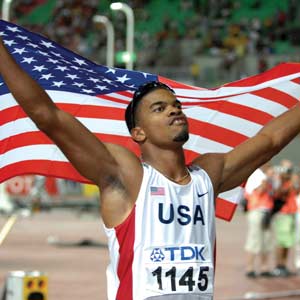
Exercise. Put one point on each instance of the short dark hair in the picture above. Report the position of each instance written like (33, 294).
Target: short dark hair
(141, 91)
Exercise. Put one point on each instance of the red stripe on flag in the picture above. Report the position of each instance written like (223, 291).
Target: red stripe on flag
(114, 99)
(82, 111)
(283, 69)
(11, 114)
(42, 167)
(39, 138)
(177, 85)
(225, 209)
(25, 139)
(276, 96)
(190, 156)
(238, 110)
(216, 133)
(296, 80)
(93, 111)
(128, 94)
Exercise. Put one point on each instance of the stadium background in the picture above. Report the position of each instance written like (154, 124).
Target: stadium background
(204, 43)
(241, 37)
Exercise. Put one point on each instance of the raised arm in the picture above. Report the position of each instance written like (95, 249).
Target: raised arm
(233, 168)
(96, 161)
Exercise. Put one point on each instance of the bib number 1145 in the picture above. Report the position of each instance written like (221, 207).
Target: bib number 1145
(187, 278)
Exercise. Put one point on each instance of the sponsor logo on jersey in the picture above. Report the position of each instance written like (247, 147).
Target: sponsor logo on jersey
(183, 253)
(157, 255)
(201, 195)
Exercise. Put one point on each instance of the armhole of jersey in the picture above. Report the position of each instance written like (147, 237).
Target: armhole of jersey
(144, 181)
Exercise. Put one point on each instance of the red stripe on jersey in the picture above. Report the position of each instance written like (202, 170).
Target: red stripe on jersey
(125, 233)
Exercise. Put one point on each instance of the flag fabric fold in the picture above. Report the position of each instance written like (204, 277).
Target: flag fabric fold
(97, 95)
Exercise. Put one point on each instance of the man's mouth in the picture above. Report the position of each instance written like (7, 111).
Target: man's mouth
(178, 121)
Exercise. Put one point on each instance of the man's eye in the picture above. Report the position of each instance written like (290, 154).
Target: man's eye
(158, 109)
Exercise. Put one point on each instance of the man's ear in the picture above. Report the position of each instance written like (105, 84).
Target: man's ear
(138, 134)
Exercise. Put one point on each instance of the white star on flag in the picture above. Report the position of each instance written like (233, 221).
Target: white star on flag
(80, 61)
(58, 83)
(39, 68)
(19, 51)
(46, 76)
(28, 60)
(123, 79)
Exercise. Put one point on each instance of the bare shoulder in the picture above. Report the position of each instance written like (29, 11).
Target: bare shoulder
(213, 164)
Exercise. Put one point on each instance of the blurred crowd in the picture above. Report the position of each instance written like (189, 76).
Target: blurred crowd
(203, 29)
(272, 203)
(23, 7)
(70, 24)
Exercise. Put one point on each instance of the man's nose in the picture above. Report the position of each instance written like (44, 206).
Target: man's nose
(174, 111)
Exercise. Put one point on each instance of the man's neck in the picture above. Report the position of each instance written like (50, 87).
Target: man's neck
(170, 163)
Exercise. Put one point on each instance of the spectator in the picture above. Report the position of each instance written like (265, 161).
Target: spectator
(296, 183)
(259, 240)
(284, 223)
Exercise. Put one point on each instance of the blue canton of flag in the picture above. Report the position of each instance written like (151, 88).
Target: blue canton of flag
(157, 191)
(57, 68)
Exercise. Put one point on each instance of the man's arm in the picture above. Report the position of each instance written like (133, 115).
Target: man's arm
(233, 168)
(90, 157)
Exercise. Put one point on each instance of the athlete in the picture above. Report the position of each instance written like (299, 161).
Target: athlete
(158, 213)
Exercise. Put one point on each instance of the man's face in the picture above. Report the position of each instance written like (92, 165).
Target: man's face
(161, 118)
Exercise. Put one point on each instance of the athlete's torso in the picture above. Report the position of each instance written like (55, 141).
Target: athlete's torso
(165, 248)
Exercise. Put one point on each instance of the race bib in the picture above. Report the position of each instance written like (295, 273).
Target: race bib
(179, 269)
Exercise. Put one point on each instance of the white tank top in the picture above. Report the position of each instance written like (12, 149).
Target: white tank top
(165, 248)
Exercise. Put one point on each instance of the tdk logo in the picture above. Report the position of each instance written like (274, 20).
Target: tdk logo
(157, 255)
(184, 253)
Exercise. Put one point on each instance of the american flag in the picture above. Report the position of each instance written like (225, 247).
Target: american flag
(97, 95)
(157, 191)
